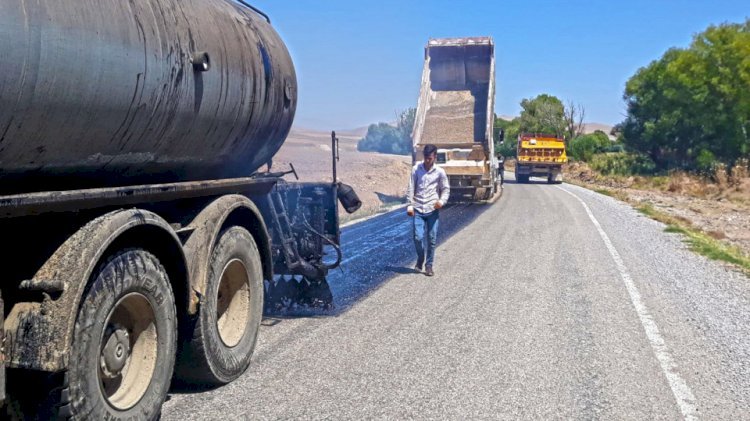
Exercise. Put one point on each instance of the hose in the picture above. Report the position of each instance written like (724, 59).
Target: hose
(335, 246)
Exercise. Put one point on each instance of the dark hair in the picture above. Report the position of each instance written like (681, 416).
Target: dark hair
(429, 149)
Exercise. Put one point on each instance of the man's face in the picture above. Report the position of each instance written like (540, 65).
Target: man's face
(429, 160)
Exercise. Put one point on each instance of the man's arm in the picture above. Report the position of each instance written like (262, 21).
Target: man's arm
(410, 190)
(410, 194)
(444, 188)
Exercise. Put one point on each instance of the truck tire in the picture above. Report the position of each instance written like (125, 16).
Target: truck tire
(489, 192)
(124, 342)
(555, 177)
(231, 309)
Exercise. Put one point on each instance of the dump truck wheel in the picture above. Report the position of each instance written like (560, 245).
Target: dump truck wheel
(124, 344)
(230, 312)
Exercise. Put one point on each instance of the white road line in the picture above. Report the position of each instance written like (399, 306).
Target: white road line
(680, 389)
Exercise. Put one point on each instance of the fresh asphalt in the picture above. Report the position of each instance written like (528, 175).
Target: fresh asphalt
(553, 303)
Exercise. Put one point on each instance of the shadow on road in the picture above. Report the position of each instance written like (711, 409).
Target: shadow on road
(511, 181)
(401, 270)
(378, 250)
(387, 199)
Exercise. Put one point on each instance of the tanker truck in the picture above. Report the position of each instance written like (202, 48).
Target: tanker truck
(141, 237)
(456, 114)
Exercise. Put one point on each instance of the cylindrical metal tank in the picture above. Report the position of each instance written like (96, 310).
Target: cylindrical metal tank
(98, 93)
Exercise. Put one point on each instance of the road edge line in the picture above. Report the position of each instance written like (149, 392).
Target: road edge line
(374, 215)
(680, 389)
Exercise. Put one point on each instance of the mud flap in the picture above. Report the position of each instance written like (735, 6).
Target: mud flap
(288, 294)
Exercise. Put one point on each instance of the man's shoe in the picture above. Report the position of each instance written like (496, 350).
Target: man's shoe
(429, 271)
(418, 266)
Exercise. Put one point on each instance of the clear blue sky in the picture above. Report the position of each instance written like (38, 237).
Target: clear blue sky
(358, 62)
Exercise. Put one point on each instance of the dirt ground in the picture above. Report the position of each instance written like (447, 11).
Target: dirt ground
(722, 211)
(380, 180)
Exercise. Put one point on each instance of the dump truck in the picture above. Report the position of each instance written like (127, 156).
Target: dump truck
(540, 155)
(456, 113)
(141, 238)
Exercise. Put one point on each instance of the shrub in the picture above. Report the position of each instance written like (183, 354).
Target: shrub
(705, 161)
(622, 163)
(584, 147)
(386, 138)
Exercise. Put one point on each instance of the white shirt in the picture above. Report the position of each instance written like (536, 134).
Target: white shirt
(427, 187)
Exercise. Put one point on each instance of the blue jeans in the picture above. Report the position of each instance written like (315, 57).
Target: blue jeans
(425, 224)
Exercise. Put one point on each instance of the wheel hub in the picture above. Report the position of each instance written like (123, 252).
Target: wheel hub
(233, 303)
(115, 353)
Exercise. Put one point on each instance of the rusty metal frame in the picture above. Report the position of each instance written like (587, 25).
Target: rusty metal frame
(76, 200)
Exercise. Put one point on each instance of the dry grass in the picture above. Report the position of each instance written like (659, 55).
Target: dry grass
(617, 194)
(728, 183)
(739, 174)
(707, 244)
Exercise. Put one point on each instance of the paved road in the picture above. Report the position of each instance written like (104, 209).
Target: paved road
(555, 302)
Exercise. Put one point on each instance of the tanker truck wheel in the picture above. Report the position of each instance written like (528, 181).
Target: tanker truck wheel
(230, 312)
(124, 344)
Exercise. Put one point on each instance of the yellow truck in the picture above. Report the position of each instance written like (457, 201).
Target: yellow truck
(540, 155)
(456, 112)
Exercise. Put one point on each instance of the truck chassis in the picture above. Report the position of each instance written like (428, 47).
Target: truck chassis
(107, 289)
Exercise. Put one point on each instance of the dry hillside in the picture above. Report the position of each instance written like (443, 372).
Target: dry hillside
(379, 179)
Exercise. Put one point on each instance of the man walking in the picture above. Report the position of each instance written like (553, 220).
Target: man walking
(428, 192)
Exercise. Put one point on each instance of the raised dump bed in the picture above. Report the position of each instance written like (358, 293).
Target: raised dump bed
(455, 111)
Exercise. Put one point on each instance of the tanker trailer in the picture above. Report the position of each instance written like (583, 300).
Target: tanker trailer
(138, 229)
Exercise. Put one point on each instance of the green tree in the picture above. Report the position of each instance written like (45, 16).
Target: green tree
(584, 147)
(543, 114)
(511, 128)
(692, 106)
(405, 125)
(386, 138)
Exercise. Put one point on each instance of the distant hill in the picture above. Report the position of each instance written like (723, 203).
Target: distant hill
(355, 132)
(359, 131)
(592, 127)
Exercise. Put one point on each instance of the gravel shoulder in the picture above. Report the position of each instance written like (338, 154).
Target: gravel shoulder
(721, 212)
